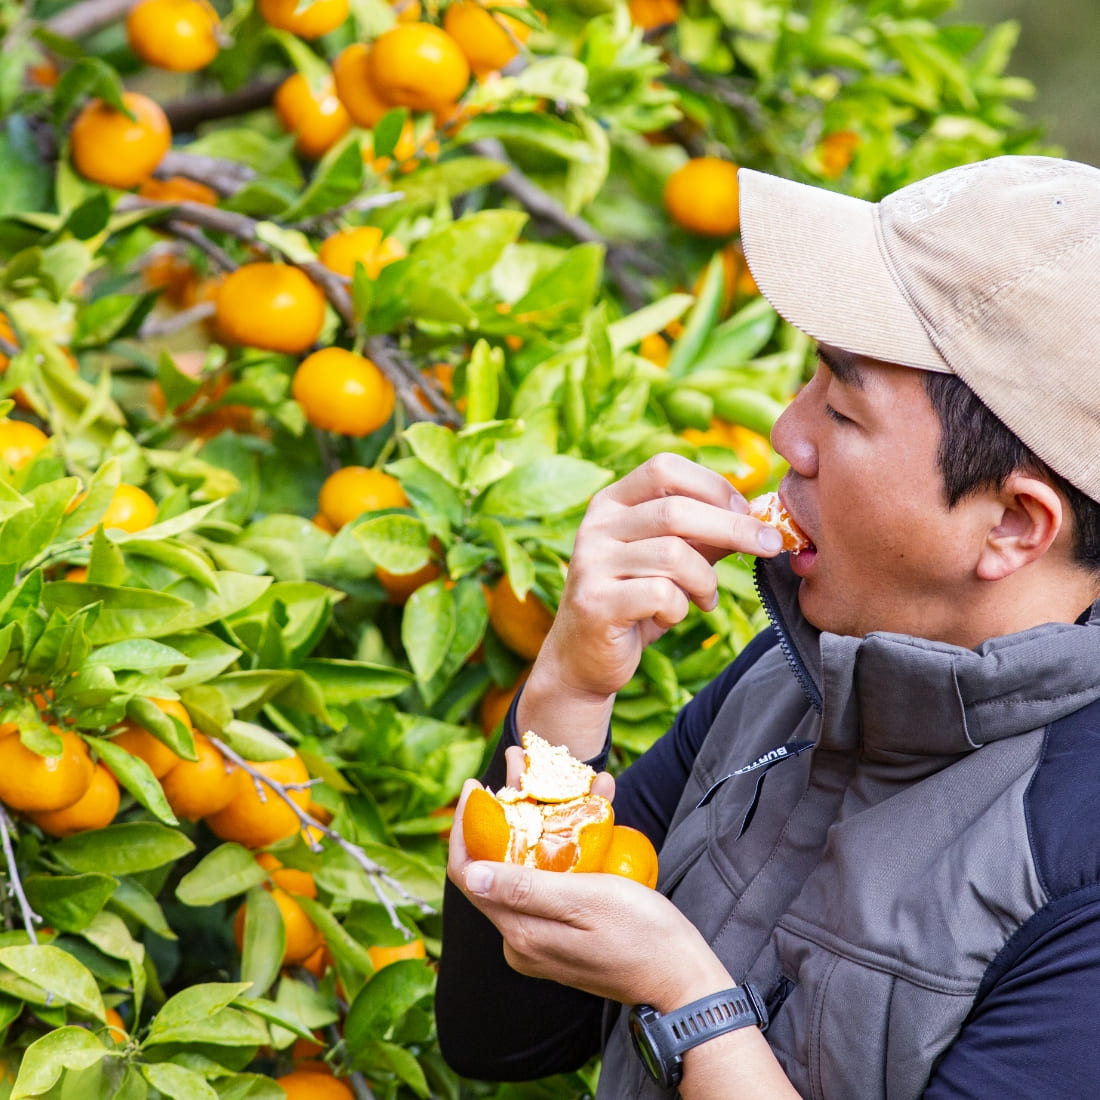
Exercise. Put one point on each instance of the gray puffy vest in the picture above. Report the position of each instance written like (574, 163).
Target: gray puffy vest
(864, 877)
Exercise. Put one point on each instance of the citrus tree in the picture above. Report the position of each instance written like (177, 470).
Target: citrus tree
(320, 323)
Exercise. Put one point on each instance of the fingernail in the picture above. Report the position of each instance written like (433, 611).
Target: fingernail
(478, 879)
(738, 503)
(770, 539)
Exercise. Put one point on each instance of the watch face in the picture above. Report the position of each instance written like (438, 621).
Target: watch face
(645, 1050)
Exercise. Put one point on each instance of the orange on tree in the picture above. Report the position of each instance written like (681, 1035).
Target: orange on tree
(131, 509)
(653, 14)
(342, 392)
(305, 1084)
(522, 625)
(20, 442)
(138, 741)
(496, 701)
(654, 347)
(407, 11)
(196, 788)
(39, 784)
(276, 307)
(116, 1026)
(289, 879)
(406, 151)
(94, 809)
(306, 21)
(751, 448)
(488, 39)
(110, 147)
(351, 73)
(351, 491)
(400, 586)
(178, 189)
(303, 937)
(419, 66)
(701, 196)
(552, 822)
(171, 274)
(632, 855)
(78, 574)
(836, 150)
(315, 116)
(257, 819)
(364, 244)
(382, 955)
(179, 35)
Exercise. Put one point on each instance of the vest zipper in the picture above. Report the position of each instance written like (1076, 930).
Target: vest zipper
(798, 667)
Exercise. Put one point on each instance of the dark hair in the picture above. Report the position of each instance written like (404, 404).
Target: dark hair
(977, 452)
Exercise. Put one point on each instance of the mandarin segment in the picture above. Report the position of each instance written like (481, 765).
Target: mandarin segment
(769, 509)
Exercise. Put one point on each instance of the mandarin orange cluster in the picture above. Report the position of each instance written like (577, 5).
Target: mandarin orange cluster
(554, 822)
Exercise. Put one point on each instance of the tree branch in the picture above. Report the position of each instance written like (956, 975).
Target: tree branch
(87, 17)
(185, 114)
(227, 177)
(15, 883)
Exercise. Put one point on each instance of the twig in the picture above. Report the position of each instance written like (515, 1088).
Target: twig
(357, 205)
(185, 114)
(719, 88)
(165, 326)
(15, 883)
(227, 177)
(377, 874)
(7, 348)
(89, 16)
(179, 228)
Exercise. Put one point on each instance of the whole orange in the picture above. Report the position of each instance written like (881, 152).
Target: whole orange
(400, 586)
(94, 809)
(496, 702)
(257, 820)
(382, 955)
(751, 448)
(632, 855)
(315, 116)
(20, 442)
(363, 244)
(522, 625)
(340, 391)
(131, 509)
(318, 19)
(196, 788)
(179, 35)
(138, 741)
(351, 491)
(37, 784)
(419, 66)
(111, 148)
(488, 39)
(701, 196)
(351, 72)
(271, 306)
(303, 1084)
(651, 14)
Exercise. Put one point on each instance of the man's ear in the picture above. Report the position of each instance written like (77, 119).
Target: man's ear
(1032, 515)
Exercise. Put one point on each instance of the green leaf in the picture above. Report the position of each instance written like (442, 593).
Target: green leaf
(124, 848)
(700, 320)
(546, 487)
(436, 447)
(255, 743)
(136, 776)
(398, 543)
(483, 375)
(201, 1013)
(428, 627)
(264, 940)
(47, 1058)
(138, 655)
(56, 972)
(343, 682)
(177, 1081)
(68, 902)
(123, 612)
(227, 871)
(377, 1011)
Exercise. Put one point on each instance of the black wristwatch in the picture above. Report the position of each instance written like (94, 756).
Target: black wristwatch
(661, 1040)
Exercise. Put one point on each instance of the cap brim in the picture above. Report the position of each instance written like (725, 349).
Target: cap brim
(816, 257)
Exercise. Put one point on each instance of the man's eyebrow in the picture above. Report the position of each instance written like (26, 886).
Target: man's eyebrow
(843, 366)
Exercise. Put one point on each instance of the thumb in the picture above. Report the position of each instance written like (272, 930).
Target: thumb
(523, 889)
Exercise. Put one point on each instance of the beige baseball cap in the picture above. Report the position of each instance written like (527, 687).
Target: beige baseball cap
(990, 271)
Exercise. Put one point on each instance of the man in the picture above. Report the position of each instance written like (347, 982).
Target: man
(881, 819)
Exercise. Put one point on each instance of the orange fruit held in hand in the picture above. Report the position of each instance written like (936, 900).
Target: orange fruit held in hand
(381, 955)
(138, 741)
(553, 822)
(315, 116)
(305, 1084)
(632, 855)
(276, 307)
(701, 196)
(751, 448)
(351, 72)
(353, 490)
(362, 244)
(522, 625)
(41, 784)
(131, 509)
(20, 442)
(318, 19)
(94, 809)
(257, 820)
(488, 39)
(342, 392)
(111, 148)
(196, 788)
(419, 66)
(179, 35)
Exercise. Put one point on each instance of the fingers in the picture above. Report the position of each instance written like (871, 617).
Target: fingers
(672, 475)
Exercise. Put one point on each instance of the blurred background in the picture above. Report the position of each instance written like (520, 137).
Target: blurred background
(1058, 47)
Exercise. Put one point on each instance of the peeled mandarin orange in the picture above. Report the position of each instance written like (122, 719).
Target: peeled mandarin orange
(553, 822)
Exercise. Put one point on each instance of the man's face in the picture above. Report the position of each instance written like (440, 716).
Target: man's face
(861, 440)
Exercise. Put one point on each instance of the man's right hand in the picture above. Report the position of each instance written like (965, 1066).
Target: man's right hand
(644, 553)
